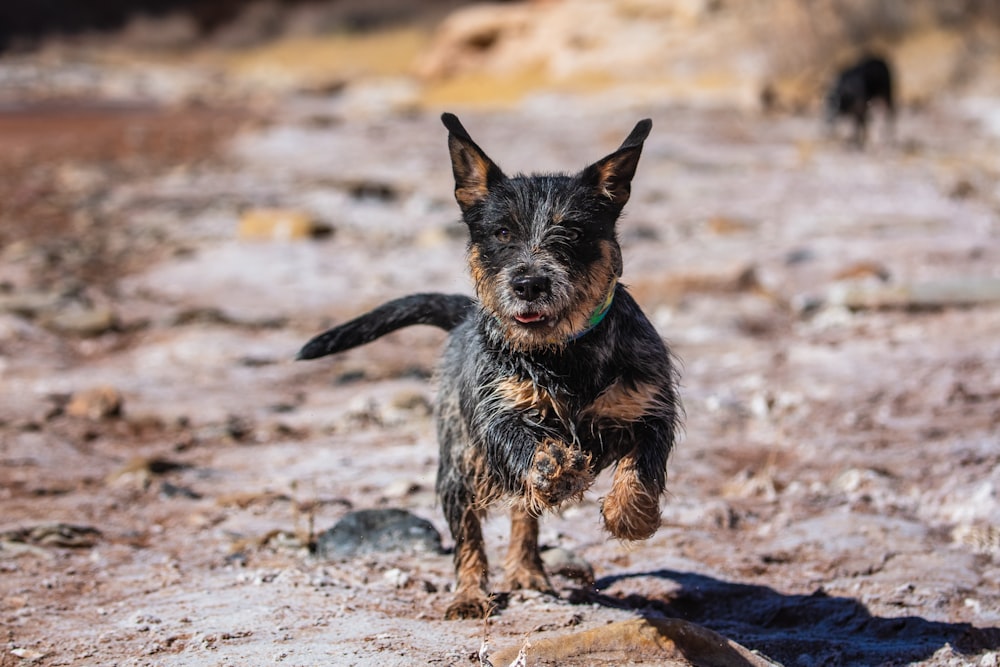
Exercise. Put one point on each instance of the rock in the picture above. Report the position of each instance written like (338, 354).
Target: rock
(61, 311)
(281, 225)
(467, 38)
(83, 320)
(400, 488)
(568, 564)
(139, 471)
(722, 225)
(28, 655)
(96, 403)
(415, 401)
(377, 531)
(955, 292)
(168, 490)
(29, 303)
(54, 535)
(669, 642)
(863, 270)
(538, 44)
(396, 577)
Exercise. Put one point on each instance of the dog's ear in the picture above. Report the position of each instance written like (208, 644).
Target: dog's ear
(612, 176)
(475, 173)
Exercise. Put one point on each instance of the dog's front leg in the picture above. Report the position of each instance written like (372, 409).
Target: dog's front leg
(530, 461)
(528, 453)
(631, 510)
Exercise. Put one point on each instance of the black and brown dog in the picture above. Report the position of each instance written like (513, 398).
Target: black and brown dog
(856, 88)
(551, 375)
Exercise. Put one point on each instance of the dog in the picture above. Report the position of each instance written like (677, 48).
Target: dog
(856, 88)
(551, 374)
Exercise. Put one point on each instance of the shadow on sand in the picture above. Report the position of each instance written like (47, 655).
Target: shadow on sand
(815, 629)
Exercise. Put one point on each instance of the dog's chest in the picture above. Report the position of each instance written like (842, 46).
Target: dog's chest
(618, 404)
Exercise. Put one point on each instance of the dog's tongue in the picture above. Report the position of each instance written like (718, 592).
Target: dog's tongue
(528, 318)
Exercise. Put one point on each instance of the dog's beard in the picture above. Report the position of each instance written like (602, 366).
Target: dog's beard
(550, 321)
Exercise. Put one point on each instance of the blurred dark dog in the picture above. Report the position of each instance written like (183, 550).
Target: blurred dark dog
(551, 375)
(854, 91)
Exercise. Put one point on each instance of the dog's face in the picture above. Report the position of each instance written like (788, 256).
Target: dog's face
(543, 250)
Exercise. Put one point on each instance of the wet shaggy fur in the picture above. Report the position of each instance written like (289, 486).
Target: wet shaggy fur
(550, 375)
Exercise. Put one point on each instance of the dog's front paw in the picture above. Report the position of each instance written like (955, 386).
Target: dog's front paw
(558, 472)
(631, 511)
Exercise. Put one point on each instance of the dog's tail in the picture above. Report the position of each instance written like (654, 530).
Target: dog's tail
(445, 311)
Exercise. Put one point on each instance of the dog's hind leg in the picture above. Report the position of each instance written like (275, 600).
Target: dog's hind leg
(523, 565)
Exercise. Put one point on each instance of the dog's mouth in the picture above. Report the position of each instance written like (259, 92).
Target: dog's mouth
(531, 318)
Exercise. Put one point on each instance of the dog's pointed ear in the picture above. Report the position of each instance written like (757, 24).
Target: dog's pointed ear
(475, 173)
(612, 176)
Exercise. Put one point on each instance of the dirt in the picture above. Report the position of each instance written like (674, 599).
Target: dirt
(835, 499)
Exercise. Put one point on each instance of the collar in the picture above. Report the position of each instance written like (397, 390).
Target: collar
(598, 315)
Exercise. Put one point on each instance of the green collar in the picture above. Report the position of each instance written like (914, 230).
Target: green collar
(598, 315)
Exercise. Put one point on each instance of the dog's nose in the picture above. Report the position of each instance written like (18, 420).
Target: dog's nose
(529, 288)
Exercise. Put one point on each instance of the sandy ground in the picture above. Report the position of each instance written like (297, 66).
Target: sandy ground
(835, 499)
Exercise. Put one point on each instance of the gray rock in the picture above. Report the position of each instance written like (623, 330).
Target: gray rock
(568, 564)
(377, 531)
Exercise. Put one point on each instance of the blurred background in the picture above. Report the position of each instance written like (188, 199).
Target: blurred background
(159, 84)
(189, 190)
(702, 50)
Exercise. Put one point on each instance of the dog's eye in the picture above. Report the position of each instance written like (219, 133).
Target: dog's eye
(571, 235)
(502, 234)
